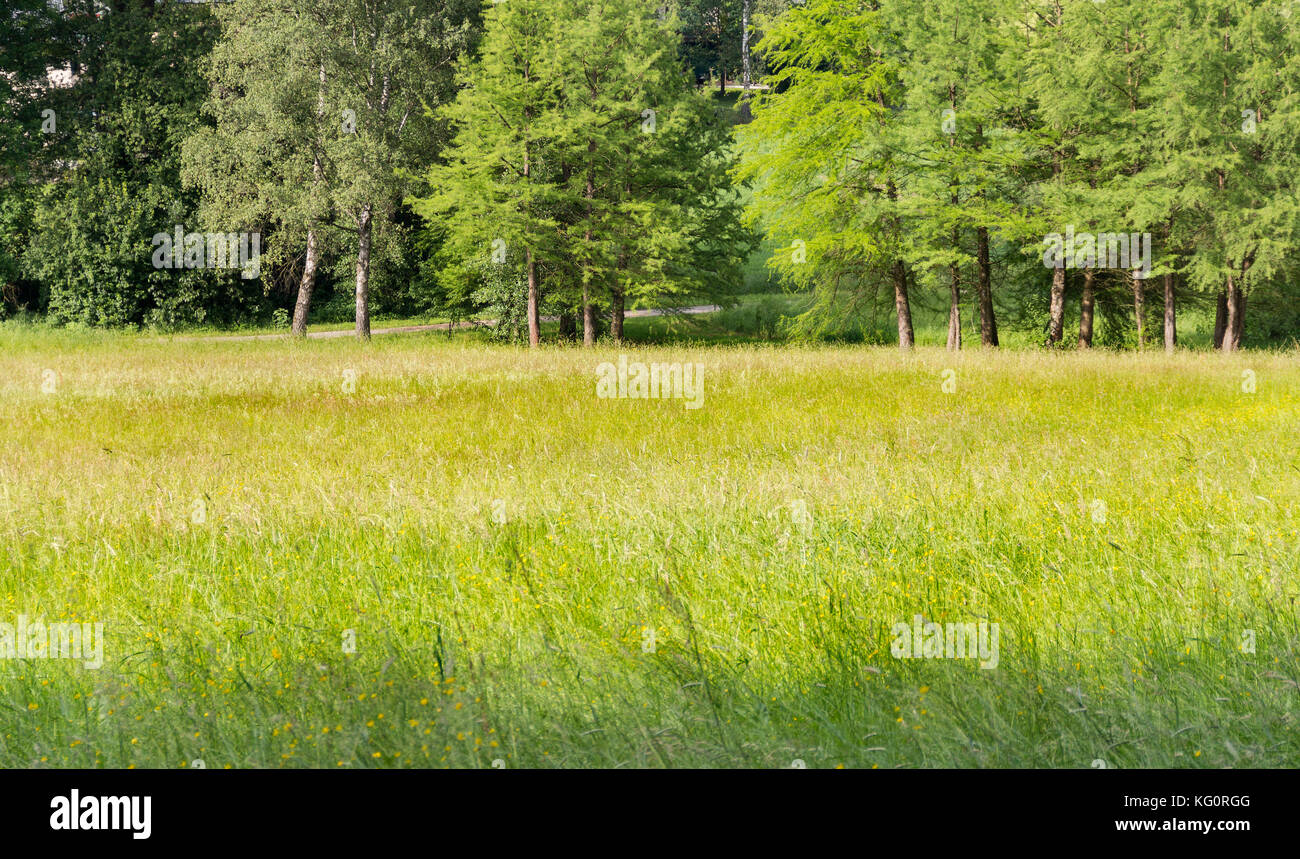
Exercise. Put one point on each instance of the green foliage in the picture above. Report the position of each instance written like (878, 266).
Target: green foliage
(33, 38)
(580, 143)
(824, 177)
(502, 295)
(904, 148)
(117, 168)
(319, 113)
(896, 131)
(252, 161)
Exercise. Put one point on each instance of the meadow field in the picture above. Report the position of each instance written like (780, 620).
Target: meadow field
(429, 551)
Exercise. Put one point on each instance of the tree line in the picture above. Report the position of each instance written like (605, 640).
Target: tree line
(1032, 164)
(909, 144)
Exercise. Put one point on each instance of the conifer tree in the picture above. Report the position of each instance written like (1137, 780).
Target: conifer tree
(821, 153)
(580, 142)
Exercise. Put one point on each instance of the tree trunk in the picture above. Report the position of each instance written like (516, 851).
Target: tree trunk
(744, 45)
(1056, 310)
(1171, 321)
(616, 316)
(305, 286)
(363, 273)
(904, 310)
(534, 316)
(1239, 323)
(568, 327)
(743, 108)
(954, 269)
(588, 309)
(1086, 309)
(1220, 318)
(954, 308)
(588, 319)
(534, 313)
(1139, 311)
(1232, 325)
(1056, 321)
(984, 284)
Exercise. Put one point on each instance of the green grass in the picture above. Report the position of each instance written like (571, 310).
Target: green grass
(525, 641)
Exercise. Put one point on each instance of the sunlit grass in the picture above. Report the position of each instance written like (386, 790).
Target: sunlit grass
(527, 642)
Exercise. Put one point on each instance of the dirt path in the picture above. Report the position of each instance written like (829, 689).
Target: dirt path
(437, 326)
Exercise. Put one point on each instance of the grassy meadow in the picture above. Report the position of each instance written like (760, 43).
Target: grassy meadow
(430, 551)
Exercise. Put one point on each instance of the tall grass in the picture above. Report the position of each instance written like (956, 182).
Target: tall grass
(654, 596)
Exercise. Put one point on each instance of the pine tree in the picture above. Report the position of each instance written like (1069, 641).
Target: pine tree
(1226, 138)
(964, 147)
(497, 186)
(580, 141)
(821, 153)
